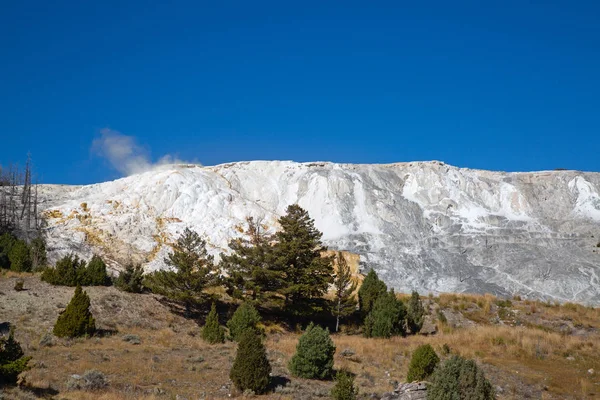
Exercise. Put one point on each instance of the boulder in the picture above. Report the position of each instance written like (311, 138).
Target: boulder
(408, 391)
(429, 327)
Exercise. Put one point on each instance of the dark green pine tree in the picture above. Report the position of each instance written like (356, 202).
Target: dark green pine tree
(344, 303)
(415, 313)
(192, 271)
(212, 332)
(248, 275)
(251, 368)
(371, 288)
(302, 275)
(95, 273)
(7, 240)
(67, 271)
(344, 388)
(131, 279)
(244, 318)
(387, 317)
(12, 359)
(76, 320)
(20, 259)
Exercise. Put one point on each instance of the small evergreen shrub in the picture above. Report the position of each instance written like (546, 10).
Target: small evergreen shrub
(245, 317)
(6, 242)
(458, 378)
(94, 274)
(344, 388)
(251, 368)
(314, 354)
(70, 270)
(212, 331)
(66, 272)
(19, 257)
(415, 313)
(386, 319)
(422, 364)
(131, 279)
(12, 360)
(76, 320)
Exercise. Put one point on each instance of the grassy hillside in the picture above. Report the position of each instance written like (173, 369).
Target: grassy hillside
(528, 349)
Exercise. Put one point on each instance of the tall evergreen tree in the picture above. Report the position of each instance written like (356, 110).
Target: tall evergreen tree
(192, 271)
(386, 318)
(248, 274)
(344, 285)
(415, 313)
(299, 271)
(371, 288)
(77, 319)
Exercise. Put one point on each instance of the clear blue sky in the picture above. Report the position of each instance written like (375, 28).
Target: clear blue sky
(497, 85)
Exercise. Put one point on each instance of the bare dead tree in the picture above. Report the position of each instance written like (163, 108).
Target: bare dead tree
(19, 201)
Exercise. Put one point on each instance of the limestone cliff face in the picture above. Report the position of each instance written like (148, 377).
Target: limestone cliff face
(426, 226)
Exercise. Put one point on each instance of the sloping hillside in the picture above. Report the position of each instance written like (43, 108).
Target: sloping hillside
(425, 225)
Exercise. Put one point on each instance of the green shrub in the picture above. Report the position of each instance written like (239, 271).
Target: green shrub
(422, 364)
(94, 274)
(245, 317)
(131, 279)
(19, 257)
(6, 242)
(460, 379)
(251, 368)
(387, 317)
(504, 303)
(67, 271)
(344, 388)
(70, 270)
(212, 331)
(371, 288)
(12, 360)
(314, 354)
(76, 320)
(415, 313)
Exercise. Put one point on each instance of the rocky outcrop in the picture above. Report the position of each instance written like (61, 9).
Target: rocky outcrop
(408, 391)
(423, 226)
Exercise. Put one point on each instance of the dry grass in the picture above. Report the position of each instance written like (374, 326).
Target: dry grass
(536, 359)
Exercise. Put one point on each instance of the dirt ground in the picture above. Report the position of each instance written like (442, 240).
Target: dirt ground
(527, 349)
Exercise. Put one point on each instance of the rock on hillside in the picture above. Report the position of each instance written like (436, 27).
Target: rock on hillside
(423, 225)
